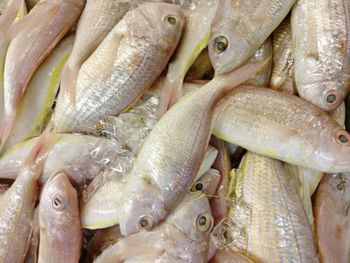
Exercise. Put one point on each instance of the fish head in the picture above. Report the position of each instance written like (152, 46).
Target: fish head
(142, 207)
(160, 22)
(208, 182)
(193, 216)
(58, 207)
(325, 95)
(331, 148)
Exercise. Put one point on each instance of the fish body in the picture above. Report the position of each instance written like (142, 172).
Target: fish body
(40, 32)
(331, 210)
(182, 237)
(59, 221)
(125, 64)
(284, 127)
(35, 107)
(283, 59)
(17, 207)
(165, 168)
(240, 28)
(268, 215)
(96, 21)
(321, 42)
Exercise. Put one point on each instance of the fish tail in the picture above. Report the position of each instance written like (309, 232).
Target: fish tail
(68, 83)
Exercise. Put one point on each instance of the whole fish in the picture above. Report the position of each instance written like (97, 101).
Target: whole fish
(182, 237)
(40, 31)
(126, 63)
(96, 21)
(59, 221)
(331, 209)
(17, 206)
(35, 108)
(321, 42)
(194, 40)
(165, 168)
(240, 28)
(283, 59)
(284, 127)
(82, 157)
(267, 214)
(102, 207)
(264, 53)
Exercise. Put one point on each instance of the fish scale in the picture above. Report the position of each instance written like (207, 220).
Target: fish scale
(322, 50)
(278, 230)
(282, 126)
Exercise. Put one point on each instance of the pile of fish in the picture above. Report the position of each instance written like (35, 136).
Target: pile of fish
(174, 131)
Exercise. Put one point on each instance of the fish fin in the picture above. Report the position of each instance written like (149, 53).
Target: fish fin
(68, 83)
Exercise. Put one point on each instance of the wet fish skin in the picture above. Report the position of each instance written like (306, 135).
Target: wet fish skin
(274, 220)
(30, 47)
(283, 59)
(240, 28)
(96, 21)
(180, 238)
(165, 169)
(226, 256)
(322, 51)
(17, 206)
(284, 127)
(32, 254)
(126, 63)
(331, 210)
(59, 221)
(263, 53)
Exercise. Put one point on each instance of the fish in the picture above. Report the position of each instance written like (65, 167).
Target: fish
(32, 254)
(201, 68)
(227, 256)
(284, 127)
(266, 221)
(195, 38)
(17, 205)
(35, 108)
(59, 221)
(331, 210)
(82, 157)
(282, 76)
(40, 31)
(165, 169)
(101, 208)
(208, 182)
(240, 28)
(125, 64)
(182, 237)
(263, 53)
(96, 21)
(322, 51)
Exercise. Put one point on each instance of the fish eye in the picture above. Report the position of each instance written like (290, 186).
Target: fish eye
(332, 98)
(145, 222)
(342, 137)
(171, 20)
(204, 222)
(198, 186)
(58, 202)
(220, 44)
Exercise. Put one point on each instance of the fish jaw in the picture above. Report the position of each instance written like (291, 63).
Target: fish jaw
(145, 204)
